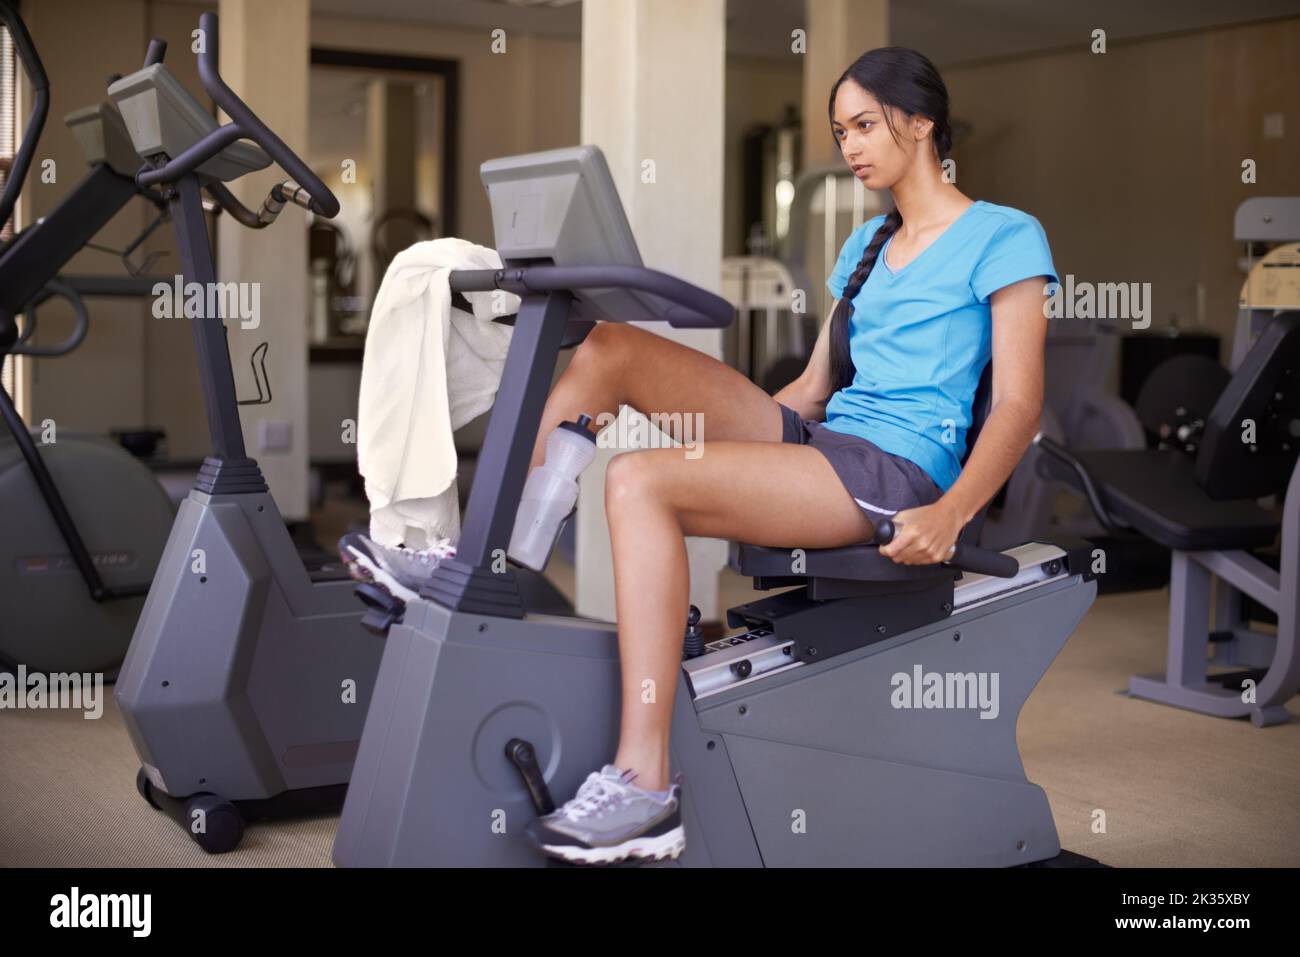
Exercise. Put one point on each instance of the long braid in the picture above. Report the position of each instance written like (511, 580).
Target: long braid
(842, 370)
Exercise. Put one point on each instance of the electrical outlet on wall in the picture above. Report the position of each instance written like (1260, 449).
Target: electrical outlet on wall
(275, 435)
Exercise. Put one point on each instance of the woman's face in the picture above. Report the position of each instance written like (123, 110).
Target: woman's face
(867, 145)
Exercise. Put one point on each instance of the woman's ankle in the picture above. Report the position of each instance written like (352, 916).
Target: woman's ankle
(650, 775)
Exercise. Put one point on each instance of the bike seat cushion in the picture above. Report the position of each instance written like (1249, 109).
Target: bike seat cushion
(851, 562)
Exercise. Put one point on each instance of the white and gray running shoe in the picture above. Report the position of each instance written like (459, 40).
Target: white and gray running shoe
(611, 820)
(400, 571)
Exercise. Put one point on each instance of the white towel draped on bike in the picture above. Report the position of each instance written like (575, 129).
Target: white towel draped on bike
(429, 368)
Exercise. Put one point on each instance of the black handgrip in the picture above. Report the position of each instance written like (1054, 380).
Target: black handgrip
(968, 558)
(523, 756)
(40, 84)
(324, 201)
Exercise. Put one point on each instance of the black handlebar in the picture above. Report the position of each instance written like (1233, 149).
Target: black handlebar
(55, 287)
(244, 125)
(35, 71)
(192, 157)
(693, 307)
(1064, 456)
(323, 201)
(970, 558)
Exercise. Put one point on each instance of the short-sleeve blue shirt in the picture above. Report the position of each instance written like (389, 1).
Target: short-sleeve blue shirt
(921, 335)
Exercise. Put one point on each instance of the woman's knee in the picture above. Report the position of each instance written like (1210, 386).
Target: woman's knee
(603, 349)
(630, 480)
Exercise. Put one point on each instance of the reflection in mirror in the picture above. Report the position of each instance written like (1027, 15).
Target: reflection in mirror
(383, 138)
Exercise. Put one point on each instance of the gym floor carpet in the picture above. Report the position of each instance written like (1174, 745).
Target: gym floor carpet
(1177, 788)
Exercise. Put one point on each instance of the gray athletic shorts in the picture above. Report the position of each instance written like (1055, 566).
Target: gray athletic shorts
(879, 482)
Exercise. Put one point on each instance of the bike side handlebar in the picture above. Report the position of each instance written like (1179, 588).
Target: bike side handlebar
(692, 307)
(971, 558)
(323, 200)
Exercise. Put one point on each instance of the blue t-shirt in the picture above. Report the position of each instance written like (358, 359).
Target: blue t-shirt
(920, 336)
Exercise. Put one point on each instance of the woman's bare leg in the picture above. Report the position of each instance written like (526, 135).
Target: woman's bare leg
(745, 485)
(780, 495)
(622, 364)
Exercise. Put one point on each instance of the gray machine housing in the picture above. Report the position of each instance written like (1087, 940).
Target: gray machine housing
(803, 765)
(245, 678)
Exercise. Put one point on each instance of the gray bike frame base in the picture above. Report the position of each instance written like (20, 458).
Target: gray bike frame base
(245, 678)
(809, 764)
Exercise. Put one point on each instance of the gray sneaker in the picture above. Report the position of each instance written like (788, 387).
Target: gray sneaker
(400, 571)
(610, 820)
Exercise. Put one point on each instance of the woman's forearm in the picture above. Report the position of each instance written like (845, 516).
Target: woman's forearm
(1007, 433)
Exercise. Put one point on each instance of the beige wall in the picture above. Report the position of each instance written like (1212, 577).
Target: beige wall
(101, 385)
(1131, 161)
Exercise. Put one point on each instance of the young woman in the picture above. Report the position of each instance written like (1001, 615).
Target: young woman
(875, 426)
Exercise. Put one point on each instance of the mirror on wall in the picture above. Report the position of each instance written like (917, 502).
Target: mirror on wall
(383, 136)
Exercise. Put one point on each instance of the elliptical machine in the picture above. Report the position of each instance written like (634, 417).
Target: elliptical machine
(794, 743)
(84, 522)
(246, 682)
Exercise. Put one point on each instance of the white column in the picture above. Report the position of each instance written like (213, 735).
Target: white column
(265, 59)
(652, 100)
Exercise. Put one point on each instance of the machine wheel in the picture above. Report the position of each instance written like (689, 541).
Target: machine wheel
(223, 824)
(1176, 398)
(143, 786)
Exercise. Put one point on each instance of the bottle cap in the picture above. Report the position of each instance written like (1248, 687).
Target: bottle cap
(579, 427)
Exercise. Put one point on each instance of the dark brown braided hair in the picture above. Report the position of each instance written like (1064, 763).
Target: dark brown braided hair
(907, 80)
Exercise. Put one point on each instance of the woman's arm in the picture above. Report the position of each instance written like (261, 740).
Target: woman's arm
(807, 394)
(1019, 334)
(926, 535)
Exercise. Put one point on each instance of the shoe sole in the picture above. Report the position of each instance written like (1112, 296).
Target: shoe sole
(668, 846)
(362, 568)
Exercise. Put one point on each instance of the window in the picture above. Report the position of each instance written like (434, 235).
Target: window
(8, 111)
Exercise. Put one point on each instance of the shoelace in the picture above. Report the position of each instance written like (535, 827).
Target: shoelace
(443, 548)
(596, 793)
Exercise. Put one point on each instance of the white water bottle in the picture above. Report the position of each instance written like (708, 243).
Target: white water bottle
(550, 493)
